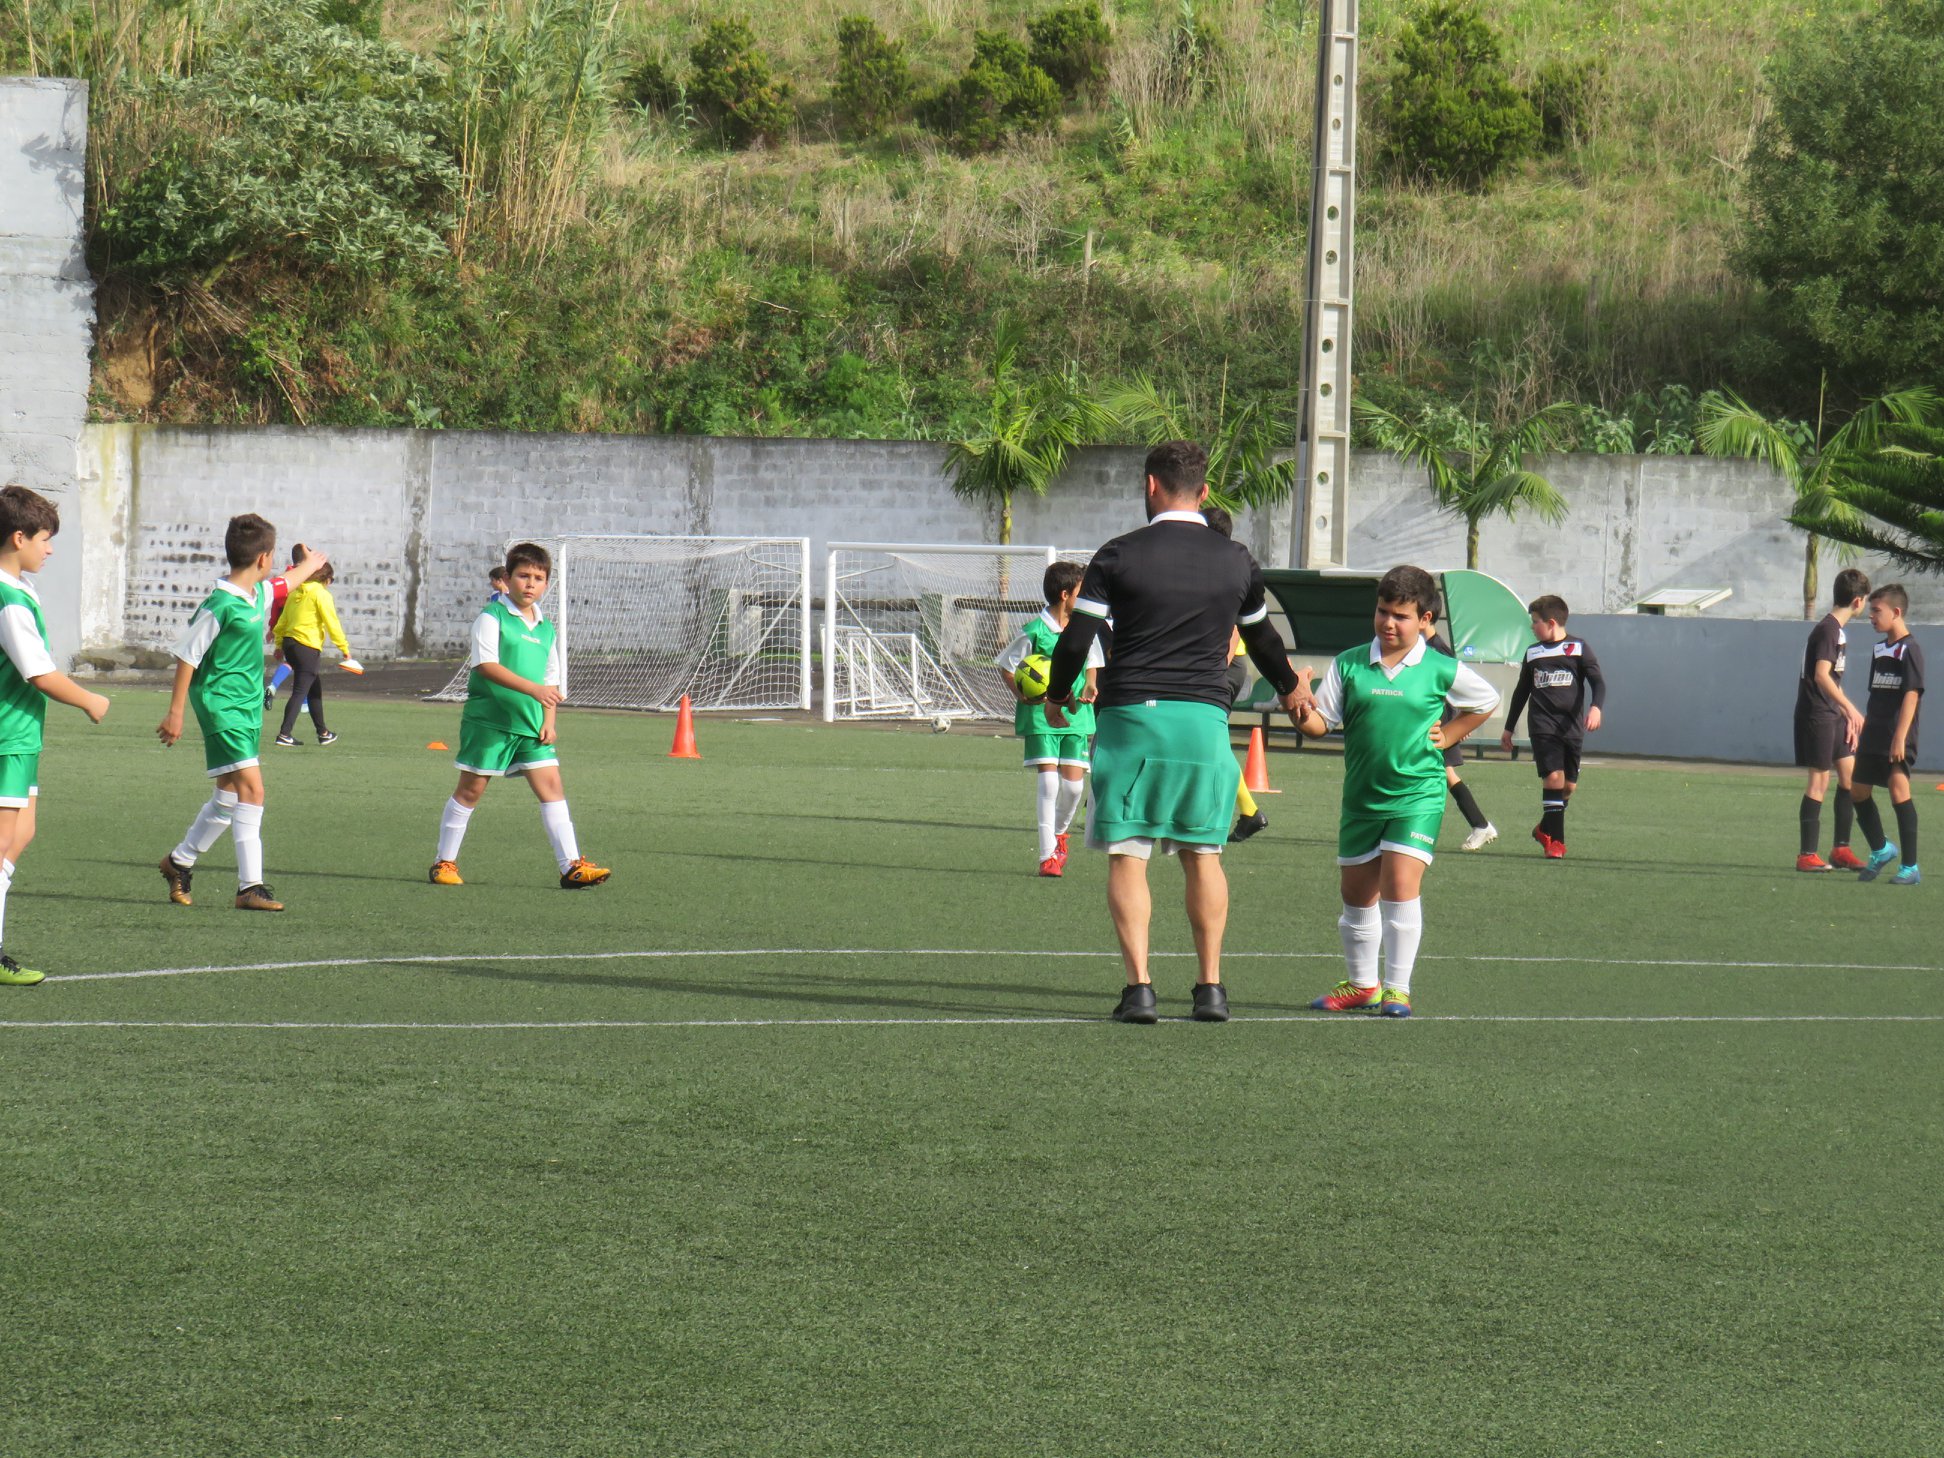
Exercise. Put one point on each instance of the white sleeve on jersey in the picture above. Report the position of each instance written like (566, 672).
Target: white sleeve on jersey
(1096, 657)
(485, 641)
(22, 641)
(1470, 693)
(197, 637)
(1017, 652)
(556, 669)
(1329, 697)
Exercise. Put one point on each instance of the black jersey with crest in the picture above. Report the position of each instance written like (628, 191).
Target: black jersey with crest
(1896, 669)
(1561, 681)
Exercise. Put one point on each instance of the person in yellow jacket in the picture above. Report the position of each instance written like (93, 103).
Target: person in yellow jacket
(309, 616)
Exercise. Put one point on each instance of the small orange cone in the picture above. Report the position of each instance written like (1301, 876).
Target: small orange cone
(684, 732)
(1255, 769)
(438, 744)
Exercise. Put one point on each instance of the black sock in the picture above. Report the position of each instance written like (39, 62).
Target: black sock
(1474, 817)
(1552, 815)
(1906, 831)
(1872, 823)
(1845, 816)
(1811, 817)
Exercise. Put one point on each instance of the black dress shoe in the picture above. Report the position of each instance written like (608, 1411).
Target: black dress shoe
(1247, 826)
(1211, 1003)
(1137, 1004)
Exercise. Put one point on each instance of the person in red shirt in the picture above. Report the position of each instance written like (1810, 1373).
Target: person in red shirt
(279, 595)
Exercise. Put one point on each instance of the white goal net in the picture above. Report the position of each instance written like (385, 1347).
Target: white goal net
(910, 631)
(644, 620)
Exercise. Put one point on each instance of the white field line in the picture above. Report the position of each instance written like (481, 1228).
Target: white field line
(1309, 1019)
(993, 954)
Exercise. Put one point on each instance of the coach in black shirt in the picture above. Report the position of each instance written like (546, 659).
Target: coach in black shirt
(1163, 773)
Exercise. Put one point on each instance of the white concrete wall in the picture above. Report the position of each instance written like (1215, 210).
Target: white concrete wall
(46, 319)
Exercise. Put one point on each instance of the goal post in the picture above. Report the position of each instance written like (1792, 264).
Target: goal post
(643, 620)
(911, 628)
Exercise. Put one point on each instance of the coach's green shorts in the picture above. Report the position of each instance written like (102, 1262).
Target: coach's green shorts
(1162, 770)
(230, 745)
(19, 780)
(1363, 838)
(486, 750)
(1057, 749)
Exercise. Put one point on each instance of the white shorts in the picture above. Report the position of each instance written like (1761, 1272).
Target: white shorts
(1143, 847)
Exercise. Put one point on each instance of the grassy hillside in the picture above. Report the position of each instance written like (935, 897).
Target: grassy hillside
(830, 286)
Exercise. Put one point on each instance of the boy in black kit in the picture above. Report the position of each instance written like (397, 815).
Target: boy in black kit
(1887, 747)
(1826, 727)
(1556, 676)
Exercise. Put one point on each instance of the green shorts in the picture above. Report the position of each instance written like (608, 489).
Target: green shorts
(19, 780)
(487, 750)
(1363, 838)
(1057, 749)
(230, 746)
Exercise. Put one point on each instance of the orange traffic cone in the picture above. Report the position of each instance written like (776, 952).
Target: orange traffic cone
(1255, 769)
(684, 732)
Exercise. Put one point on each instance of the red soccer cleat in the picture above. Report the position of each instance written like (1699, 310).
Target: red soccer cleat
(1545, 841)
(1052, 866)
(1812, 862)
(1555, 850)
(1843, 859)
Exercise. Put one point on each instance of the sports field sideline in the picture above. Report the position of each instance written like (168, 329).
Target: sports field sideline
(808, 1134)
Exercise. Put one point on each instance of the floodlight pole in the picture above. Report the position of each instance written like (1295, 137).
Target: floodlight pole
(1320, 533)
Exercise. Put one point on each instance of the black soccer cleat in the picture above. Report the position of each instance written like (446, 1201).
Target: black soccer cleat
(1211, 1003)
(1137, 1004)
(1247, 826)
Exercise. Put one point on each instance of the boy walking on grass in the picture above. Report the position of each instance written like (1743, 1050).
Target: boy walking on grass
(1557, 676)
(1887, 747)
(28, 679)
(1059, 757)
(1390, 698)
(1826, 727)
(507, 727)
(219, 672)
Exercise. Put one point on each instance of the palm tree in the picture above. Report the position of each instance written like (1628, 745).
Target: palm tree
(1890, 500)
(1243, 465)
(1814, 466)
(1477, 471)
(1031, 423)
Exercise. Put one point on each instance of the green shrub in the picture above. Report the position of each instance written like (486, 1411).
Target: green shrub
(1564, 94)
(1450, 111)
(654, 87)
(733, 88)
(1195, 56)
(873, 78)
(1001, 93)
(1070, 45)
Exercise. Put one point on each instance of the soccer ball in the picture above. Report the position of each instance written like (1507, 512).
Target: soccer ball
(1034, 676)
(941, 724)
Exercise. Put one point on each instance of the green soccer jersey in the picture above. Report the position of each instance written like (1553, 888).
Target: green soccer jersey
(224, 641)
(502, 636)
(1041, 636)
(23, 634)
(1390, 766)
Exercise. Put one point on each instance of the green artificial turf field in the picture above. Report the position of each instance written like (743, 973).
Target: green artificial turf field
(808, 1135)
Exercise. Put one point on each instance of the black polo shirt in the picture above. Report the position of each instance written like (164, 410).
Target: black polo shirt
(1176, 590)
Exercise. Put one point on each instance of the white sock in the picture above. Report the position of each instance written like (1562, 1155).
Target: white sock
(1359, 927)
(452, 829)
(249, 845)
(1403, 930)
(6, 884)
(1049, 798)
(207, 828)
(560, 833)
(1068, 803)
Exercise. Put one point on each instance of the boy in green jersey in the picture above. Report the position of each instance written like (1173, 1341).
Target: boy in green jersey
(1389, 698)
(507, 727)
(219, 673)
(1059, 757)
(28, 679)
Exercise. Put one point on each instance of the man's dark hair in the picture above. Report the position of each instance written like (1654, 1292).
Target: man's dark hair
(1180, 466)
(1548, 609)
(1060, 579)
(1410, 584)
(1893, 595)
(248, 537)
(299, 554)
(528, 554)
(22, 510)
(1218, 518)
(1851, 583)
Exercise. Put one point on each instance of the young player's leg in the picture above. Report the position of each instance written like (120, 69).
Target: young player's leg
(305, 663)
(15, 804)
(1809, 822)
(1905, 809)
(1042, 757)
(576, 871)
(1360, 926)
(1840, 854)
(246, 833)
(453, 820)
(23, 832)
(1401, 909)
(1248, 815)
(1873, 771)
(1073, 786)
(278, 678)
